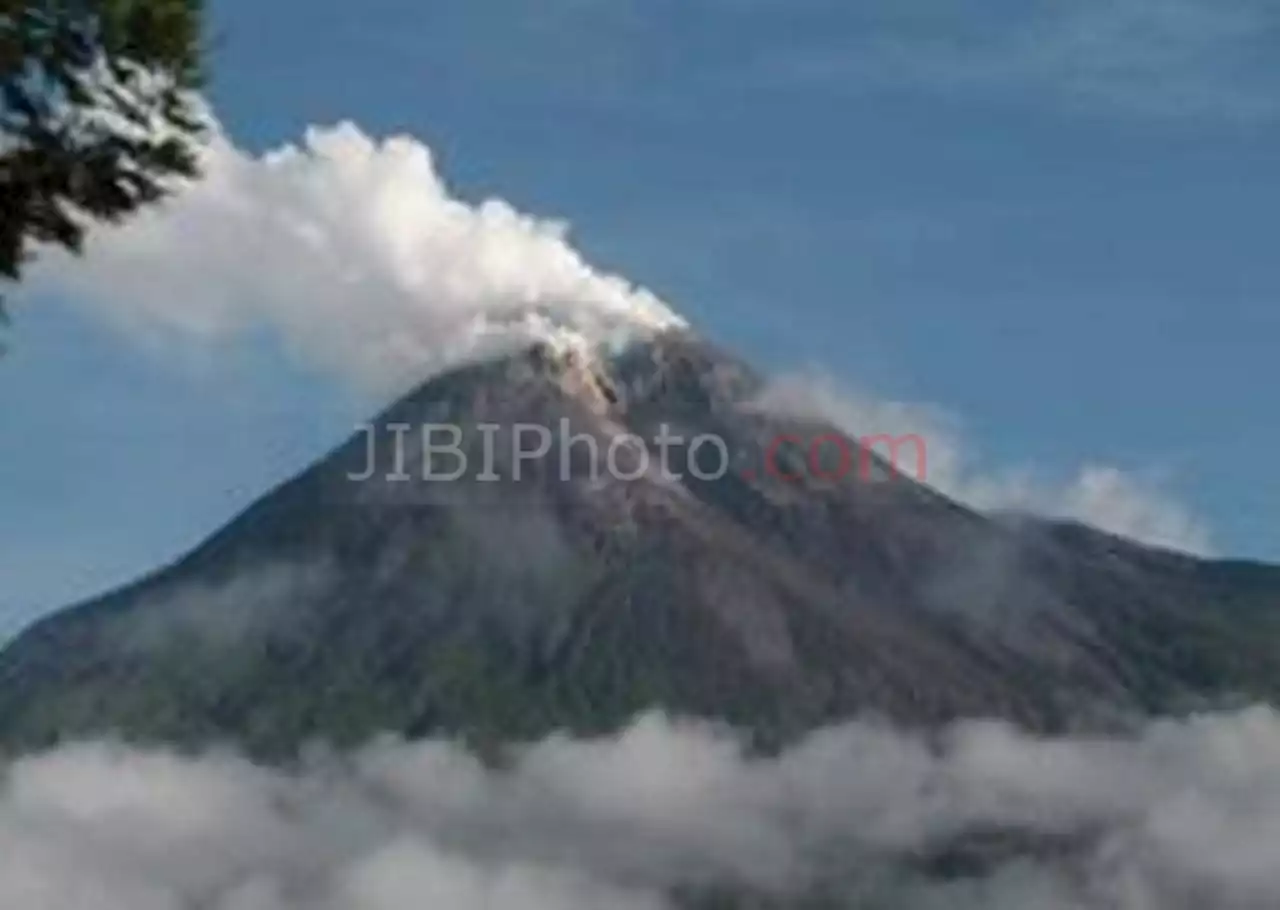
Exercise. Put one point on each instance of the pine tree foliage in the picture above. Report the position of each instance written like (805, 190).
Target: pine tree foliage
(97, 114)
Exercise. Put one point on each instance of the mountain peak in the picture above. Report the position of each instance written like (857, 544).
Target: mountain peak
(574, 597)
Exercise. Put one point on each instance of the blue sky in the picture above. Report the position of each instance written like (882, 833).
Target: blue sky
(1055, 224)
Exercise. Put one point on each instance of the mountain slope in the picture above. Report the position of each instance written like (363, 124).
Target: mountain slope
(337, 609)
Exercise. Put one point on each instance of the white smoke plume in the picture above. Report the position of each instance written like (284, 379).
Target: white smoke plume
(356, 254)
(1181, 814)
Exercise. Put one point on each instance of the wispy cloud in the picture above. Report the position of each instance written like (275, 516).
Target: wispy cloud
(1168, 58)
(1152, 58)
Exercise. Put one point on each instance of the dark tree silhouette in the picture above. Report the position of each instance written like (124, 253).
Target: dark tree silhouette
(96, 114)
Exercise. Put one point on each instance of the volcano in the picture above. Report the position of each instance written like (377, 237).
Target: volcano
(563, 597)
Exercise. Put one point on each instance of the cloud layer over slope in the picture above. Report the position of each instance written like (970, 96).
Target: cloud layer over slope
(1120, 502)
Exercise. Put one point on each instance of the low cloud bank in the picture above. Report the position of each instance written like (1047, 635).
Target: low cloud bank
(1180, 814)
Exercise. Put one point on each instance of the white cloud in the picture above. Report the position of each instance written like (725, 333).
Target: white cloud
(352, 250)
(1121, 502)
(1180, 814)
